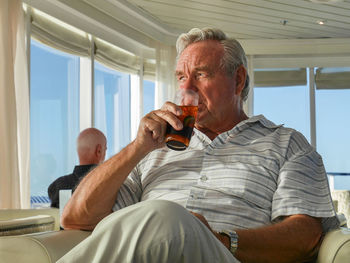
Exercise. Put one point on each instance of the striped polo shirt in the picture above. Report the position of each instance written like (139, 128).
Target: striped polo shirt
(247, 177)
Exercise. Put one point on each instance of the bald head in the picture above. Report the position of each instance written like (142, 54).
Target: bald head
(91, 146)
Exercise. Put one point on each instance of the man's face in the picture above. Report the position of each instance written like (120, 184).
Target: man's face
(198, 68)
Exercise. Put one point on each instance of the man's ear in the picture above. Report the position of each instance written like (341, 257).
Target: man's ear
(98, 150)
(241, 76)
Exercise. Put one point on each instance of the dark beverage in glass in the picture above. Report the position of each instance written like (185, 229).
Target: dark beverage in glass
(187, 99)
(179, 140)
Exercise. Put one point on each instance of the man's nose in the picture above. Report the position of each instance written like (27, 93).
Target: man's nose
(190, 84)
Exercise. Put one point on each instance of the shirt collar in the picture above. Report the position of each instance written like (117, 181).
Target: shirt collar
(242, 126)
(260, 118)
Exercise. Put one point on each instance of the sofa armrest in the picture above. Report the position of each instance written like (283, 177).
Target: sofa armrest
(8, 214)
(335, 247)
(45, 247)
(26, 225)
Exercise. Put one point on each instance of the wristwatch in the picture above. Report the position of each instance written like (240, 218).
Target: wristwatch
(233, 239)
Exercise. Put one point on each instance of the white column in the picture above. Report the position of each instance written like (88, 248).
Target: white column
(92, 84)
(140, 91)
(312, 107)
(86, 90)
(136, 101)
(249, 103)
(331, 182)
(28, 25)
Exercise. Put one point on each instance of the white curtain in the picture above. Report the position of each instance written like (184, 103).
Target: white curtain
(165, 74)
(14, 108)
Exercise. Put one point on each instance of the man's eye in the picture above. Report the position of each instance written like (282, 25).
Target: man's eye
(201, 75)
(181, 78)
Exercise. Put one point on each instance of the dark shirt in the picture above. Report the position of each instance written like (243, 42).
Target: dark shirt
(70, 181)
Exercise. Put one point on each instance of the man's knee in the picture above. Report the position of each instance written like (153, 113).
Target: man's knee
(165, 215)
(148, 222)
(164, 208)
(153, 212)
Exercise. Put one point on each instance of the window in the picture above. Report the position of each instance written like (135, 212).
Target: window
(54, 115)
(332, 131)
(59, 101)
(288, 105)
(112, 107)
(148, 96)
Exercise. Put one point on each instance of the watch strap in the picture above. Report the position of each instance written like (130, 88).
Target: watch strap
(233, 239)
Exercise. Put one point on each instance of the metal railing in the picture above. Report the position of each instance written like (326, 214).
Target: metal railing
(331, 178)
(39, 201)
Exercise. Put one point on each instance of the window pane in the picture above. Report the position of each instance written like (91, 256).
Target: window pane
(112, 107)
(54, 115)
(285, 105)
(148, 96)
(332, 132)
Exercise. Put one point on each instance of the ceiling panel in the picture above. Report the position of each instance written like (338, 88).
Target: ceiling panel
(253, 19)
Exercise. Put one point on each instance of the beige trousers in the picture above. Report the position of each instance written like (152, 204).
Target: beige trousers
(151, 231)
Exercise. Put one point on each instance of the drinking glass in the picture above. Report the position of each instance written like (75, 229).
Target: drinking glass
(188, 101)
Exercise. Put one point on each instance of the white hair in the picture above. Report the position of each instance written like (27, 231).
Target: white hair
(234, 55)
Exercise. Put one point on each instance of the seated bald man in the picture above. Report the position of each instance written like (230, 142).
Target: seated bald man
(91, 148)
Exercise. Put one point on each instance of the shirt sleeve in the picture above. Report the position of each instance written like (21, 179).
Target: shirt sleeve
(303, 185)
(130, 192)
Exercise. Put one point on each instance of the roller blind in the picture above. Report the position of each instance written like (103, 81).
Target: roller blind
(64, 37)
(149, 69)
(122, 60)
(332, 78)
(280, 77)
(59, 35)
(115, 57)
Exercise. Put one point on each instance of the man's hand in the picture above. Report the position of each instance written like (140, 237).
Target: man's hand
(295, 239)
(151, 132)
(223, 239)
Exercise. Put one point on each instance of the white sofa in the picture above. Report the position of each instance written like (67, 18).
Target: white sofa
(48, 247)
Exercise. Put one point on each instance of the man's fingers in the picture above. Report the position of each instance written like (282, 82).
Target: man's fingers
(202, 219)
(170, 118)
(153, 126)
(171, 107)
(156, 126)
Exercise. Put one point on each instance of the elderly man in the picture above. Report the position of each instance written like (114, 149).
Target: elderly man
(91, 149)
(245, 190)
